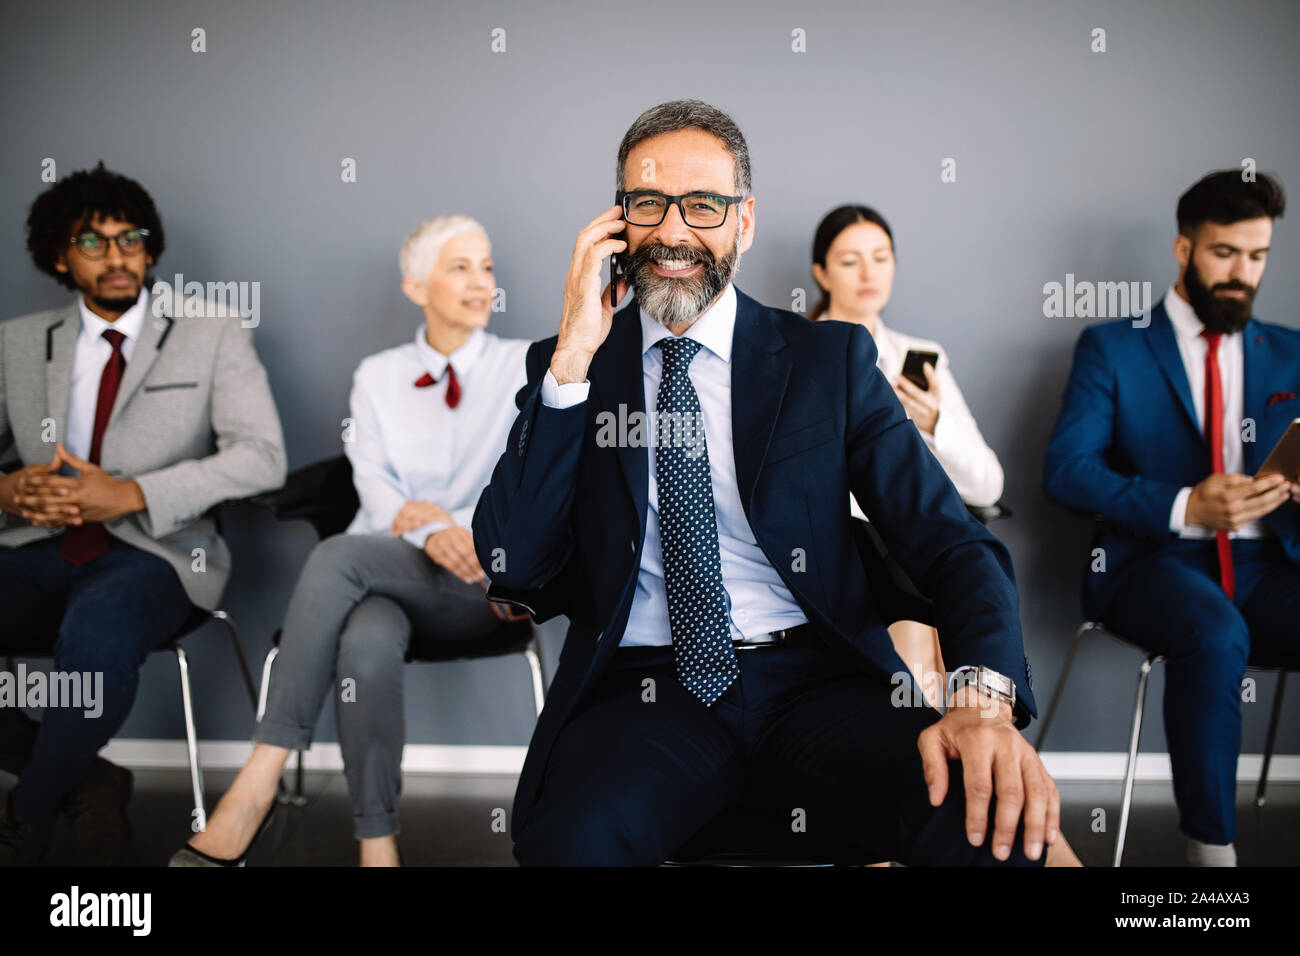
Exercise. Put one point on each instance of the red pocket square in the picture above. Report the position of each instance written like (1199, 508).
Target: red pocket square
(1280, 397)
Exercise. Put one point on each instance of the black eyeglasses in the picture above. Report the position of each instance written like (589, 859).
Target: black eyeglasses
(94, 245)
(643, 207)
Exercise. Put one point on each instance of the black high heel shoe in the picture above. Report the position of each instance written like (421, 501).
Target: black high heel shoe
(188, 856)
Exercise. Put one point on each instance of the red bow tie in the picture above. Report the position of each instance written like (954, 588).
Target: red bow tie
(453, 386)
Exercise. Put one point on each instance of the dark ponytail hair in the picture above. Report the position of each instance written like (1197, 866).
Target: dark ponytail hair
(835, 222)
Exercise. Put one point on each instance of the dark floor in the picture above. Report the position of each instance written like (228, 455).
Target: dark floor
(449, 820)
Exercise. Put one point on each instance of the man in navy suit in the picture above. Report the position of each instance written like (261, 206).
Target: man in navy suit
(723, 642)
(1162, 426)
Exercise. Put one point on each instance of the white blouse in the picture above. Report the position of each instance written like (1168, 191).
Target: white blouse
(957, 443)
(407, 444)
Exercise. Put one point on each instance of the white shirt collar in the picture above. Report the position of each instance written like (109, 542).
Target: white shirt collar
(128, 323)
(1183, 316)
(714, 329)
(462, 360)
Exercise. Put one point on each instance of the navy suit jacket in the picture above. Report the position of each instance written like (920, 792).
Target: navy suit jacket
(1127, 439)
(561, 526)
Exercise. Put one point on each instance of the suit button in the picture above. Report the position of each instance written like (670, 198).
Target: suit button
(632, 544)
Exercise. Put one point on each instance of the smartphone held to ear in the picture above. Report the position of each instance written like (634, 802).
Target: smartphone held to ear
(914, 367)
(614, 271)
(614, 274)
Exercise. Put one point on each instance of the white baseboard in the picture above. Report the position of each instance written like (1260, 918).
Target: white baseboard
(233, 754)
(1084, 766)
(440, 758)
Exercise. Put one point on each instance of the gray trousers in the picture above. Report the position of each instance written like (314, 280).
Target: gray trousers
(364, 603)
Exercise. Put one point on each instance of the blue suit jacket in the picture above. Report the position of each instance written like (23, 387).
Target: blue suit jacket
(1127, 439)
(561, 525)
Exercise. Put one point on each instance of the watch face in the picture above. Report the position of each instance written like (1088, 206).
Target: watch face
(997, 683)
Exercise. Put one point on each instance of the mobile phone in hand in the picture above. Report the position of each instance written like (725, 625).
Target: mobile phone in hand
(914, 367)
(614, 271)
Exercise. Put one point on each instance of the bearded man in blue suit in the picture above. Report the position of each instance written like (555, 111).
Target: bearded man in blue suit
(1162, 427)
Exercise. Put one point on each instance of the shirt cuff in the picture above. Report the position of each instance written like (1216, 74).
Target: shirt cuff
(1178, 513)
(555, 395)
(417, 536)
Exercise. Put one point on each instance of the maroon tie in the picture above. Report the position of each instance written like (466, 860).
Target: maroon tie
(1214, 435)
(453, 385)
(82, 543)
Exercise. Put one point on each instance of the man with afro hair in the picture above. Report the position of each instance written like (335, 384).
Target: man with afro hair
(125, 417)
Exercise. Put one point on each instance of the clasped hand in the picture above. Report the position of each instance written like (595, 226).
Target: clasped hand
(451, 548)
(40, 495)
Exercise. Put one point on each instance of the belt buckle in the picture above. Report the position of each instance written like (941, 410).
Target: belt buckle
(770, 639)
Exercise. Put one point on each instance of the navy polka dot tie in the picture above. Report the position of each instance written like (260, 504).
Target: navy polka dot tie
(688, 533)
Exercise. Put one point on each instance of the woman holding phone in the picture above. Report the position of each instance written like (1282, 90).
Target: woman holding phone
(853, 263)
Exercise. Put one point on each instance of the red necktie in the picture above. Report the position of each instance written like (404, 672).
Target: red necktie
(1214, 435)
(453, 385)
(82, 543)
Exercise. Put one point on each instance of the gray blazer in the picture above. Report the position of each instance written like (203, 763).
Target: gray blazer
(194, 424)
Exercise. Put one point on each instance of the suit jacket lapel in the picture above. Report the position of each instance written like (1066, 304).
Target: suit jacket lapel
(1254, 349)
(760, 371)
(1163, 341)
(60, 350)
(145, 352)
(616, 376)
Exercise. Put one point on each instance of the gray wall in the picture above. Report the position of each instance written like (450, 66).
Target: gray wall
(1068, 161)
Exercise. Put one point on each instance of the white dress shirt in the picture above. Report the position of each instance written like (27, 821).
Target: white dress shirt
(89, 358)
(1232, 377)
(757, 600)
(971, 465)
(409, 445)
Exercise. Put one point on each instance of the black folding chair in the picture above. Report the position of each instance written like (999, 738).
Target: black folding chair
(323, 495)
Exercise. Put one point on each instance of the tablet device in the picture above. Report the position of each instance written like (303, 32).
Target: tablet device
(1284, 459)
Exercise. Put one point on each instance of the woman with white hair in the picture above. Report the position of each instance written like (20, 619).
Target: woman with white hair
(430, 419)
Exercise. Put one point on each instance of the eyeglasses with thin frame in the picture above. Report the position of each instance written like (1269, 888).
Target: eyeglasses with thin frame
(94, 245)
(699, 210)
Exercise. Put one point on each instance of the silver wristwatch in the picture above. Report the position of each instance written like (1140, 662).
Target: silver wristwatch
(986, 680)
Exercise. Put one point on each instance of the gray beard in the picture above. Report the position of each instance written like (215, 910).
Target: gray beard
(681, 301)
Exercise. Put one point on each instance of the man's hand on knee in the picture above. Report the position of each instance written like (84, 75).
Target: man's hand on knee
(995, 759)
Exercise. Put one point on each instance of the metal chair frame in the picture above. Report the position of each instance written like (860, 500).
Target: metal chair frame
(201, 617)
(1135, 734)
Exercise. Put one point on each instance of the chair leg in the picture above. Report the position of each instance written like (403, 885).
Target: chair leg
(1130, 772)
(296, 798)
(271, 655)
(533, 654)
(299, 797)
(1084, 628)
(200, 814)
(1271, 739)
(244, 672)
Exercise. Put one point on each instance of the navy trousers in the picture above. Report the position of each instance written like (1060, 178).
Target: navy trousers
(102, 617)
(1172, 603)
(643, 765)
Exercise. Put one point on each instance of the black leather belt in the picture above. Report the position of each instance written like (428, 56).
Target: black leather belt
(799, 636)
